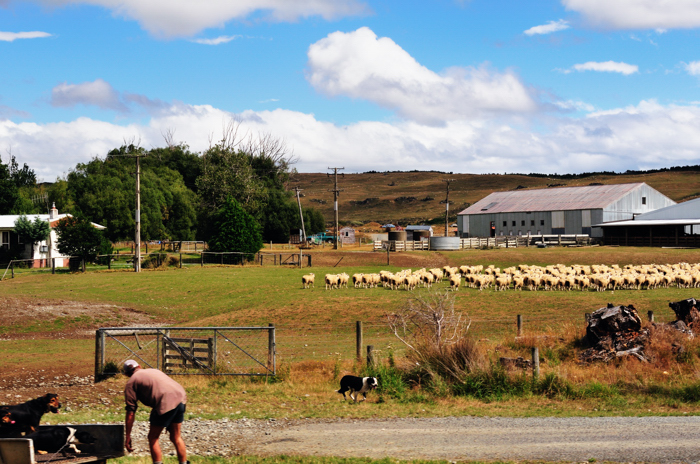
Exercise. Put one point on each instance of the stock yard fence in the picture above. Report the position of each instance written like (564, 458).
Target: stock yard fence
(257, 351)
(187, 350)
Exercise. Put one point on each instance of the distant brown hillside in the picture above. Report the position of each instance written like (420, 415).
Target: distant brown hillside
(418, 197)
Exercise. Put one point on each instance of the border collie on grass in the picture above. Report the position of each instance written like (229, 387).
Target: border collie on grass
(356, 385)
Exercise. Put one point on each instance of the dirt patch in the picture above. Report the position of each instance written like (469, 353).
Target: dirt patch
(32, 318)
(27, 319)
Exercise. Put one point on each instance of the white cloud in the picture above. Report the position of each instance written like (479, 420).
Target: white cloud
(638, 14)
(185, 18)
(101, 94)
(360, 65)
(645, 136)
(98, 93)
(217, 41)
(552, 26)
(608, 66)
(12, 36)
(693, 68)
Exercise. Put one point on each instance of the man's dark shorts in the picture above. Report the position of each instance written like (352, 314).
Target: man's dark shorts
(174, 416)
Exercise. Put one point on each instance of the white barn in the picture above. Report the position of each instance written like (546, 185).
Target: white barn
(563, 210)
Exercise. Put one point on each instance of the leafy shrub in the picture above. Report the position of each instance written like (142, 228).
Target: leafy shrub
(551, 385)
(493, 383)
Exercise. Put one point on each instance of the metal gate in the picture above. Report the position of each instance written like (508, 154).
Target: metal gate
(187, 350)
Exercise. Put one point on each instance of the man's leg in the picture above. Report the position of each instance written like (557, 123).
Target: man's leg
(153, 443)
(176, 437)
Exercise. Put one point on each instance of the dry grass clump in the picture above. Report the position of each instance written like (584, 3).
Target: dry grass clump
(437, 337)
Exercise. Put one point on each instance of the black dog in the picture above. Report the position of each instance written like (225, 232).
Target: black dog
(25, 417)
(59, 438)
(356, 385)
(5, 417)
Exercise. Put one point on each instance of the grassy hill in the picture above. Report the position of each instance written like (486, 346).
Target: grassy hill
(418, 197)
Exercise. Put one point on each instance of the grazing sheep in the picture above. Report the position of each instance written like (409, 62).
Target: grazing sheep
(308, 280)
(332, 281)
(357, 280)
(455, 282)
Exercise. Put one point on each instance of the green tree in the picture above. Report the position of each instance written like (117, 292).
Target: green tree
(78, 237)
(9, 193)
(235, 230)
(104, 191)
(32, 231)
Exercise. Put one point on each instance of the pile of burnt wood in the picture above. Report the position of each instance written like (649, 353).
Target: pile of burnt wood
(616, 331)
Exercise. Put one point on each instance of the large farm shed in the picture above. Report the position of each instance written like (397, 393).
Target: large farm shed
(674, 226)
(564, 210)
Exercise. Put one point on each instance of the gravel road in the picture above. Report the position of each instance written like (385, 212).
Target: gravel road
(620, 439)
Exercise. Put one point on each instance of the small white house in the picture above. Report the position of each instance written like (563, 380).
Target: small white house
(44, 251)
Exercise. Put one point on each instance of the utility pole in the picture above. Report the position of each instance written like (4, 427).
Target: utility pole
(447, 205)
(137, 218)
(137, 212)
(335, 204)
(301, 215)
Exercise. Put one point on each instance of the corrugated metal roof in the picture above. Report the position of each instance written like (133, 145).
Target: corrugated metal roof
(419, 227)
(552, 199)
(7, 222)
(650, 222)
(686, 210)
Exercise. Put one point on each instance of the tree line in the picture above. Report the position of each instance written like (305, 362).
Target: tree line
(184, 194)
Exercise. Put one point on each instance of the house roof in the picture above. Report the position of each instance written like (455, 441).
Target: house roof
(421, 227)
(7, 222)
(552, 199)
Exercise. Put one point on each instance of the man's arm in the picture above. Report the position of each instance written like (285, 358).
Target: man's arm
(129, 423)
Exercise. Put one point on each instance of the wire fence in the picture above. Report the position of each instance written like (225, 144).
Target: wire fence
(258, 351)
(187, 350)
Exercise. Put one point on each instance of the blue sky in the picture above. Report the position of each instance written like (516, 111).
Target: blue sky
(474, 86)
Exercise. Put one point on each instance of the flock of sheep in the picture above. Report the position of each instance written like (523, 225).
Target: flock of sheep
(555, 277)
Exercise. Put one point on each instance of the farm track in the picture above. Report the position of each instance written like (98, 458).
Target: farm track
(575, 439)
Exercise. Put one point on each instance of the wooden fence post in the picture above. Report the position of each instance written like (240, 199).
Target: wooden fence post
(271, 348)
(358, 338)
(535, 362)
(370, 355)
(520, 324)
(201, 259)
(12, 268)
(53, 265)
(650, 315)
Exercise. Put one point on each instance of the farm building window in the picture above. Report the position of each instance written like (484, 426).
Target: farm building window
(532, 222)
(5, 239)
(522, 223)
(505, 223)
(513, 226)
(541, 222)
(644, 200)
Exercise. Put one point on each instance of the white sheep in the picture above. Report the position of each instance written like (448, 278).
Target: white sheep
(308, 280)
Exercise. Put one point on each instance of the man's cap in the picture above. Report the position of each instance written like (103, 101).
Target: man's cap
(130, 365)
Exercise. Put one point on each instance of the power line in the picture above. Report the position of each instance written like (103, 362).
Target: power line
(336, 192)
(447, 205)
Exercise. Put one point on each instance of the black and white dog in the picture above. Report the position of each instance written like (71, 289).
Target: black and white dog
(356, 385)
(52, 439)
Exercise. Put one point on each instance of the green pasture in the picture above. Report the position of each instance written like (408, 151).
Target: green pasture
(315, 337)
(253, 295)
